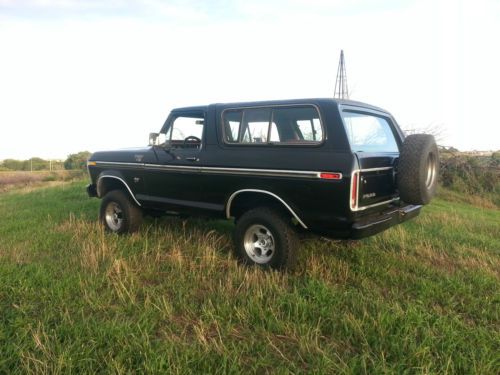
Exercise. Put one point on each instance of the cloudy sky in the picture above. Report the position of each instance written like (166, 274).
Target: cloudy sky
(90, 75)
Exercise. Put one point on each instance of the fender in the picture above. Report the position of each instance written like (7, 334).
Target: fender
(231, 198)
(116, 175)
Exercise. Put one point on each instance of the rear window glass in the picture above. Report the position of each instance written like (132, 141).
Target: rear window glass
(369, 133)
(281, 125)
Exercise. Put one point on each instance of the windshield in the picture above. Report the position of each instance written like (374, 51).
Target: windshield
(369, 133)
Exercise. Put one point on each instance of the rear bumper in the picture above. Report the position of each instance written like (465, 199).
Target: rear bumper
(91, 190)
(376, 224)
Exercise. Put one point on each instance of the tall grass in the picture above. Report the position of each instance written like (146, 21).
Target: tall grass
(10, 180)
(419, 298)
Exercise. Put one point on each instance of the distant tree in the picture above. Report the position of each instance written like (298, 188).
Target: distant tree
(14, 165)
(435, 130)
(37, 164)
(443, 150)
(77, 161)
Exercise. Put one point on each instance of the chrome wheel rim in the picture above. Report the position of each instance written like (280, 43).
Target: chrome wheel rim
(259, 243)
(114, 216)
(431, 171)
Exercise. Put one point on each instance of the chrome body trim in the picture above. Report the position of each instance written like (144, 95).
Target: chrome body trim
(119, 163)
(375, 169)
(358, 208)
(231, 198)
(225, 170)
(172, 167)
(117, 178)
(377, 204)
(238, 171)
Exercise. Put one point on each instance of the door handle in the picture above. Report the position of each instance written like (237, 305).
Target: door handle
(192, 158)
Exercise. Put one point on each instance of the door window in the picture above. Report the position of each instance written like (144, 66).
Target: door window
(186, 131)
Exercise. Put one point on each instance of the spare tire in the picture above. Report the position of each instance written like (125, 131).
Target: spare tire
(418, 169)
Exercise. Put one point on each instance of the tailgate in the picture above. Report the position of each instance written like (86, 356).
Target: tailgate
(376, 179)
(376, 185)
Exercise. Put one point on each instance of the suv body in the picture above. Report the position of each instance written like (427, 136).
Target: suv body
(329, 165)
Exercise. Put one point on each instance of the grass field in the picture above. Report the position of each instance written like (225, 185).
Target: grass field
(420, 298)
(10, 180)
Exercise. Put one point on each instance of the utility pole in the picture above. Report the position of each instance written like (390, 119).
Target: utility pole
(341, 91)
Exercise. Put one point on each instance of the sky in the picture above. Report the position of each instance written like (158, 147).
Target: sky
(103, 74)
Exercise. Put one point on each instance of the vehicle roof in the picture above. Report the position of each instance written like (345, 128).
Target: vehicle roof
(192, 108)
(282, 102)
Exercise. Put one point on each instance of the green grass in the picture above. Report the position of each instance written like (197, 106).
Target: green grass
(420, 298)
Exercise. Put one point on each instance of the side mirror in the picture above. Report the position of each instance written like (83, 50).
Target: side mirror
(153, 139)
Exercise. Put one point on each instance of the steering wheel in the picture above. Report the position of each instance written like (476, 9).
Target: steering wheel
(192, 139)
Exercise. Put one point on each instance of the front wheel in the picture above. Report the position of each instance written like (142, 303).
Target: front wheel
(265, 238)
(119, 214)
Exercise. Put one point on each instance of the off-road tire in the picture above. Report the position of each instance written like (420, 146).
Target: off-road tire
(418, 169)
(283, 233)
(130, 217)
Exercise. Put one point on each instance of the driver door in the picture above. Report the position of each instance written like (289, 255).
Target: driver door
(174, 181)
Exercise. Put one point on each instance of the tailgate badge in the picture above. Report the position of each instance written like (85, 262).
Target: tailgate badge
(369, 195)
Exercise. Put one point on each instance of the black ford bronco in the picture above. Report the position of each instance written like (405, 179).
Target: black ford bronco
(336, 168)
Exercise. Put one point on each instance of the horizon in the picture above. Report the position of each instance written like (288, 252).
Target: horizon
(103, 74)
(62, 159)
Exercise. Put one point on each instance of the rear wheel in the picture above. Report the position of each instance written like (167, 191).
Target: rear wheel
(119, 214)
(266, 238)
(418, 169)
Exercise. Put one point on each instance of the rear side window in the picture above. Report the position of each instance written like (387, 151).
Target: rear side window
(255, 126)
(369, 133)
(232, 122)
(280, 125)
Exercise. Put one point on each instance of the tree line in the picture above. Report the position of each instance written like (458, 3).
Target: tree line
(73, 161)
(477, 175)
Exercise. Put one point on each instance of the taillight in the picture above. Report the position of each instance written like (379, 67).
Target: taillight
(354, 190)
(330, 176)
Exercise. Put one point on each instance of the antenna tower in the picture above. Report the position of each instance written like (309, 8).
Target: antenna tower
(341, 90)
